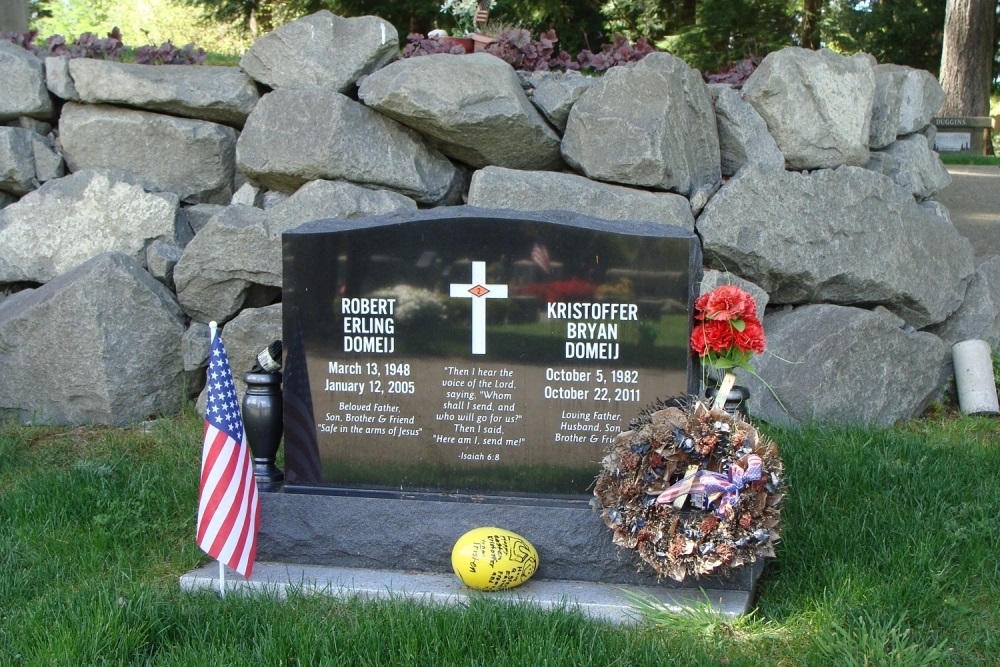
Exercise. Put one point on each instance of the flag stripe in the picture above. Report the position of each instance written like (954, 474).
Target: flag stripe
(228, 503)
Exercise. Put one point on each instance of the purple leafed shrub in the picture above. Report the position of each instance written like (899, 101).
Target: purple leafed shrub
(736, 73)
(425, 46)
(516, 47)
(620, 52)
(168, 54)
(89, 45)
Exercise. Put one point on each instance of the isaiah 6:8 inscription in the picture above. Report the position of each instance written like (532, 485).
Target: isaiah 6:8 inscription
(470, 351)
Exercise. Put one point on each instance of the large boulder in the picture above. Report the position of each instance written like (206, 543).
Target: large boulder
(649, 124)
(22, 86)
(234, 262)
(296, 136)
(496, 187)
(554, 93)
(843, 365)
(229, 265)
(471, 107)
(847, 236)
(318, 200)
(321, 50)
(906, 100)
(817, 105)
(98, 345)
(70, 220)
(17, 161)
(912, 164)
(219, 94)
(979, 316)
(743, 135)
(193, 158)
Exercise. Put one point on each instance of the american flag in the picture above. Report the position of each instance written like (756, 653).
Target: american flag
(482, 12)
(228, 505)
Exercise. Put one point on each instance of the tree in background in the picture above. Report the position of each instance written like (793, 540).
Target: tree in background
(726, 31)
(903, 32)
(967, 60)
(13, 15)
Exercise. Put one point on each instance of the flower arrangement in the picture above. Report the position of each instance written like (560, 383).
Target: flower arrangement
(692, 489)
(728, 334)
(465, 12)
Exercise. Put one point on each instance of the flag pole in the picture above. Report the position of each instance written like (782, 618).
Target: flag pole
(213, 330)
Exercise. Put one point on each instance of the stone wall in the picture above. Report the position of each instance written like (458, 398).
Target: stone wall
(141, 202)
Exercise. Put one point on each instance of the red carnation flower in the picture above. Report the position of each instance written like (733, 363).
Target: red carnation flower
(751, 339)
(726, 302)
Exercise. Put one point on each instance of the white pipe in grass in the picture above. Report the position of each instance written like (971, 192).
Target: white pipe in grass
(977, 389)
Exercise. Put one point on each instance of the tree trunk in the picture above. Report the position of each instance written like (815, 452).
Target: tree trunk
(13, 16)
(967, 57)
(809, 33)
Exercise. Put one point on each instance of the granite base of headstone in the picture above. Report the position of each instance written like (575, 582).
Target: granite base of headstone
(459, 367)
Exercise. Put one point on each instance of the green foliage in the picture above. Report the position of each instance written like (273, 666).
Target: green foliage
(903, 32)
(151, 22)
(730, 30)
(888, 559)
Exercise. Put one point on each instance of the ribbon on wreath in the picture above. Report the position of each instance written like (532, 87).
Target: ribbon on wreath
(717, 488)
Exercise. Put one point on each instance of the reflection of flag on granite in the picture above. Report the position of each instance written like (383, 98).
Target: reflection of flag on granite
(540, 257)
(302, 464)
(482, 12)
(228, 505)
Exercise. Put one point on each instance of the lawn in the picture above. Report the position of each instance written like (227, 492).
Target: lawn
(889, 557)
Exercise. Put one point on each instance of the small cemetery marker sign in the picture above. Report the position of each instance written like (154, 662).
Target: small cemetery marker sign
(477, 352)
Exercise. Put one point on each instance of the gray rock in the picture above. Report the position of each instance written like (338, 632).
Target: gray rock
(912, 164)
(58, 79)
(555, 93)
(161, 258)
(844, 365)
(471, 107)
(247, 334)
(979, 315)
(22, 86)
(847, 236)
(197, 216)
(249, 195)
(192, 158)
(219, 94)
(321, 50)
(817, 105)
(296, 136)
(6, 199)
(229, 265)
(98, 345)
(195, 345)
(496, 187)
(17, 161)
(70, 220)
(27, 123)
(906, 100)
(318, 200)
(743, 135)
(668, 142)
(49, 164)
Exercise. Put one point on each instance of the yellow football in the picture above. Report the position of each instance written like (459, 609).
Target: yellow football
(493, 559)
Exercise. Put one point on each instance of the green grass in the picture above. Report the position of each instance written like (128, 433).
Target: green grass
(889, 557)
(986, 160)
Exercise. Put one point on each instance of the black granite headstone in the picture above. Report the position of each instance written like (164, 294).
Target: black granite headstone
(474, 352)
